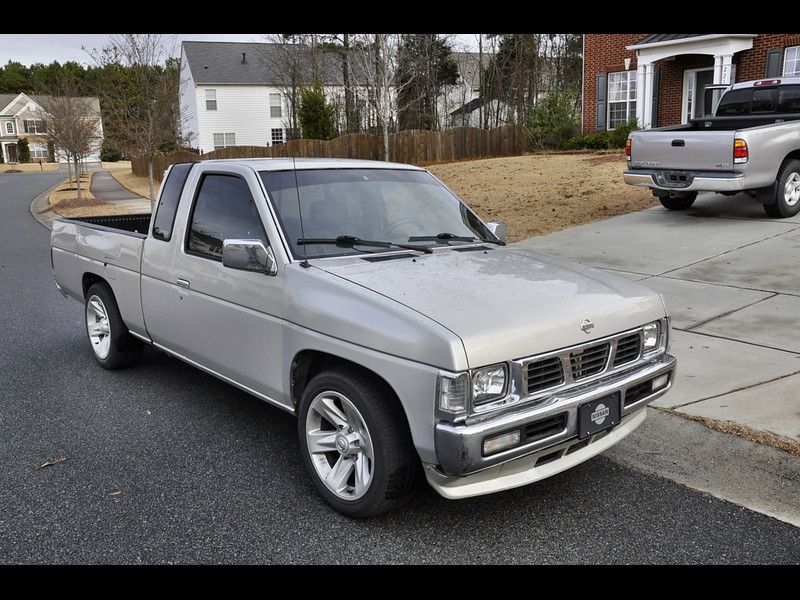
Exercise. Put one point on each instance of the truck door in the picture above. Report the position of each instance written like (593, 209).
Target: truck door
(223, 319)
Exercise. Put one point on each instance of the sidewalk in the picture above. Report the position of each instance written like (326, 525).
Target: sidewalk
(105, 187)
(730, 280)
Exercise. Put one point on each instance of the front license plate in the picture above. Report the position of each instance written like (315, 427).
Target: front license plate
(597, 415)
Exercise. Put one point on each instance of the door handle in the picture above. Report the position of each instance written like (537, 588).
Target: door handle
(183, 283)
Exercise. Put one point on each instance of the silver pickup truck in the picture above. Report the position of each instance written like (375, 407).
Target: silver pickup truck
(751, 144)
(367, 299)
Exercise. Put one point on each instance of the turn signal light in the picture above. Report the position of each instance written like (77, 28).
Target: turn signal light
(628, 148)
(740, 152)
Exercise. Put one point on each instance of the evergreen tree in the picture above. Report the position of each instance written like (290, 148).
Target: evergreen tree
(316, 114)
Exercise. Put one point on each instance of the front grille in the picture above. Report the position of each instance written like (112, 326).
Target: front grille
(589, 361)
(574, 366)
(638, 391)
(544, 428)
(544, 373)
(627, 349)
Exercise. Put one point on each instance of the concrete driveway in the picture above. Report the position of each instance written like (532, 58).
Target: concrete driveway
(730, 279)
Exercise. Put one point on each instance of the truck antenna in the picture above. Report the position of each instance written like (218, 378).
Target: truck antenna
(300, 212)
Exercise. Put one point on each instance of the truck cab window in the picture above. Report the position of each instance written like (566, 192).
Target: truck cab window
(168, 202)
(224, 209)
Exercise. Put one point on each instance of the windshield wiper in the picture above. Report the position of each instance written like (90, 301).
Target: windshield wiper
(350, 240)
(451, 237)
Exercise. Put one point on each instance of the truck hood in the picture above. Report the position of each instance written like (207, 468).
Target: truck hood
(506, 303)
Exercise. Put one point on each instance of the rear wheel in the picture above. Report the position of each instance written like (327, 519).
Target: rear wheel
(681, 202)
(113, 346)
(355, 443)
(786, 202)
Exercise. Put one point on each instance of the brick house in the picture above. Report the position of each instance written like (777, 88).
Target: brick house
(660, 78)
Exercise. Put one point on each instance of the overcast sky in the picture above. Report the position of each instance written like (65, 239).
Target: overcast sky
(45, 48)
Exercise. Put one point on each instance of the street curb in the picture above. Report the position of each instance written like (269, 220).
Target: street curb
(758, 477)
(40, 203)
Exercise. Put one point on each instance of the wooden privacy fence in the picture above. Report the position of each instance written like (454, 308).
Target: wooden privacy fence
(418, 147)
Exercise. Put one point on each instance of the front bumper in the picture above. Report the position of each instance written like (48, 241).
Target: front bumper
(459, 446)
(695, 180)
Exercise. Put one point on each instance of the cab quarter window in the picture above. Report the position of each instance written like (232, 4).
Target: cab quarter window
(224, 209)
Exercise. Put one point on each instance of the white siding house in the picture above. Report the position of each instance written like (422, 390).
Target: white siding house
(226, 98)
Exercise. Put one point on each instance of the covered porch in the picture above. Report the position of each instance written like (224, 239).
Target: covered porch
(679, 66)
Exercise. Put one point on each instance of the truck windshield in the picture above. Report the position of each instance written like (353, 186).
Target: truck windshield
(390, 205)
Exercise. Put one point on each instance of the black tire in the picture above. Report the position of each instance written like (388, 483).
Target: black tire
(681, 202)
(779, 207)
(395, 465)
(125, 350)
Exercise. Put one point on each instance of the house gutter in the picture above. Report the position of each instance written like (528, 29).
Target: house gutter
(583, 79)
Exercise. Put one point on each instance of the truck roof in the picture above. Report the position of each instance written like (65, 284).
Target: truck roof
(776, 80)
(283, 164)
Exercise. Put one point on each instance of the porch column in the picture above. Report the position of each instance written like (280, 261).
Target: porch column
(646, 97)
(717, 68)
(725, 68)
(640, 93)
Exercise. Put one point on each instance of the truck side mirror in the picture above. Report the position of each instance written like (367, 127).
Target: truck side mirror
(249, 255)
(499, 229)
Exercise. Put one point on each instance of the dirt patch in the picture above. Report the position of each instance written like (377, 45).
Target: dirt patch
(605, 158)
(754, 435)
(540, 193)
(28, 167)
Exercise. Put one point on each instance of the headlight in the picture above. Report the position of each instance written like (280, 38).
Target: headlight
(452, 391)
(651, 334)
(488, 383)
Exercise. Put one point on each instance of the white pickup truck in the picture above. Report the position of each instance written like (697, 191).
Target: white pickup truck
(751, 144)
(367, 299)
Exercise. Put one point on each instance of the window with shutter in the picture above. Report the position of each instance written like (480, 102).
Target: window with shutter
(773, 66)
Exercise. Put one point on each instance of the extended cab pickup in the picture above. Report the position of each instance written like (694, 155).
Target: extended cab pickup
(751, 144)
(367, 299)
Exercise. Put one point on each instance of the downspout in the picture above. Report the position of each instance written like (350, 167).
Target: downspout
(583, 79)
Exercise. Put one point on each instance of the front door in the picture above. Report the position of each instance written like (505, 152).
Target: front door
(702, 80)
(11, 151)
(227, 320)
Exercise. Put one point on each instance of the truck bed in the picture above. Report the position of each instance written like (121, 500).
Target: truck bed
(108, 248)
(131, 223)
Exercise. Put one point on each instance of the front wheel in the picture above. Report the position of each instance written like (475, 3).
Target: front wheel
(787, 192)
(355, 443)
(681, 202)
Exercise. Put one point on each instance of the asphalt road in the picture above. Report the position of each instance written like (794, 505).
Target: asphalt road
(203, 473)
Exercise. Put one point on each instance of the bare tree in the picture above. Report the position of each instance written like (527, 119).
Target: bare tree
(141, 91)
(292, 62)
(72, 124)
(375, 65)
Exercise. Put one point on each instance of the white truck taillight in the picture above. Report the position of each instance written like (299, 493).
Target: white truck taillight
(740, 152)
(628, 143)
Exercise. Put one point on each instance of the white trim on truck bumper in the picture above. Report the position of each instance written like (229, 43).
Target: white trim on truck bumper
(702, 182)
(463, 471)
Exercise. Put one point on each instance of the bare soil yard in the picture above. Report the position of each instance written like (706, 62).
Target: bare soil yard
(539, 193)
(534, 194)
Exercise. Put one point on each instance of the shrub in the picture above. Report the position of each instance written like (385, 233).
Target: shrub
(109, 152)
(602, 140)
(316, 114)
(23, 151)
(620, 134)
(552, 121)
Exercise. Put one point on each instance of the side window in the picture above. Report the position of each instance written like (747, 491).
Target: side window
(735, 102)
(168, 202)
(764, 100)
(224, 209)
(789, 99)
